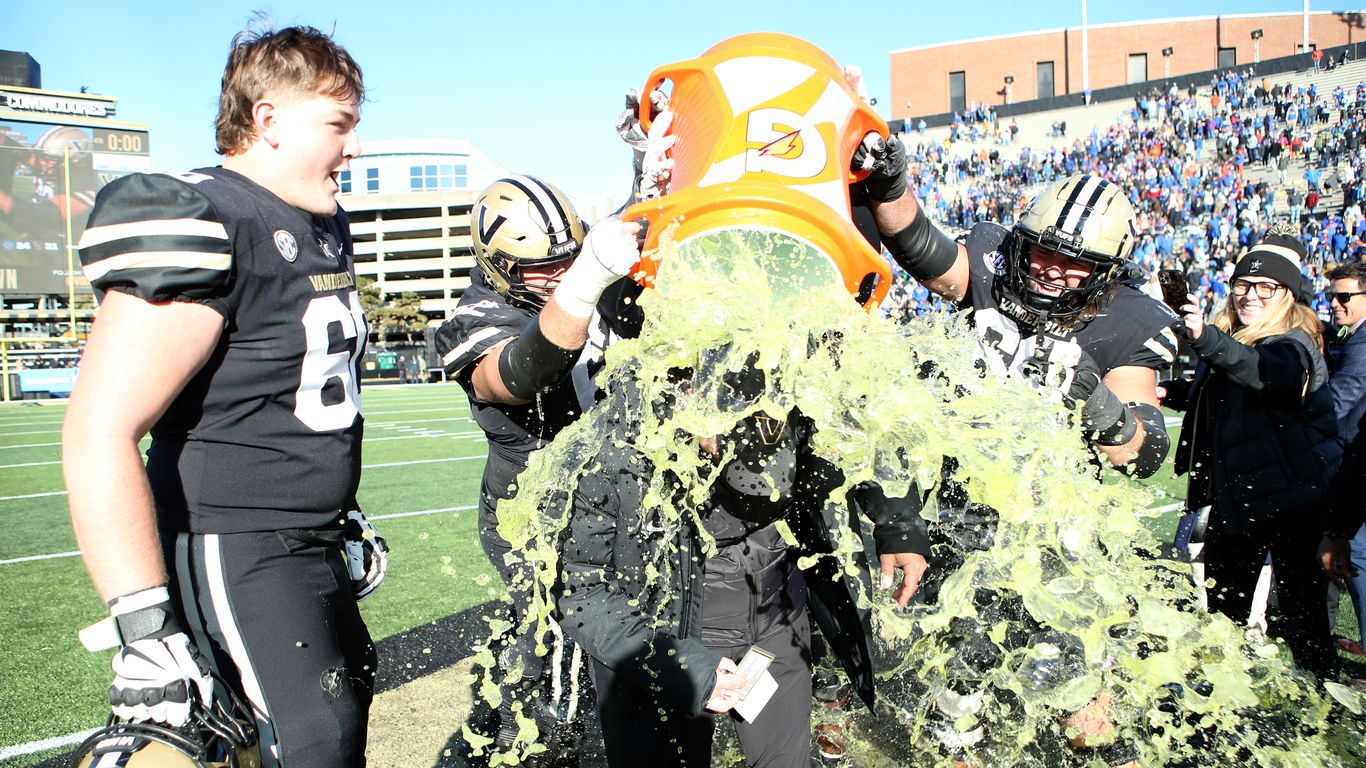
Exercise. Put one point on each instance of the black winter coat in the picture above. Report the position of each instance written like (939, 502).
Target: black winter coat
(1259, 439)
(635, 605)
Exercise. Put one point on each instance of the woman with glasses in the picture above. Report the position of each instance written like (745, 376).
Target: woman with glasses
(1259, 444)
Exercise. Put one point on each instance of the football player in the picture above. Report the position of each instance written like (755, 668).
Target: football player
(230, 327)
(1048, 301)
(1049, 305)
(519, 344)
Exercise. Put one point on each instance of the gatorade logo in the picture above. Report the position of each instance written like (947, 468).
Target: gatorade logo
(782, 149)
(787, 147)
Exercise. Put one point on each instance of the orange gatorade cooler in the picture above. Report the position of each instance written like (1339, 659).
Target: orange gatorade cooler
(765, 128)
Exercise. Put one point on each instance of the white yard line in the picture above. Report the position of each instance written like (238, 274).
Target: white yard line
(365, 466)
(45, 744)
(421, 461)
(383, 424)
(29, 445)
(32, 496)
(370, 414)
(451, 435)
(465, 508)
(395, 515)
(30, 464)
(32, 558)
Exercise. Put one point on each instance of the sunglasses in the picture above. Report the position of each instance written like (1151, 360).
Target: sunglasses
(1342, 297)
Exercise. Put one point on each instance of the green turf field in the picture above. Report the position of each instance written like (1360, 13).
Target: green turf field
(423, 459)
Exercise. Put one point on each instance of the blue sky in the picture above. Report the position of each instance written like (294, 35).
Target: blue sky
(536, 84)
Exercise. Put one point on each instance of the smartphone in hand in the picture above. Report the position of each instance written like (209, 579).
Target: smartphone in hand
(1174, 288)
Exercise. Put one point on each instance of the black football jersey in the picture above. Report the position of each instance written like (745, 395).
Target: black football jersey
(1133, 329)
(267, 434)
(482, 320)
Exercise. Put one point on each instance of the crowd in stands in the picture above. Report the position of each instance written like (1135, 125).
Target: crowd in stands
(1207, 168)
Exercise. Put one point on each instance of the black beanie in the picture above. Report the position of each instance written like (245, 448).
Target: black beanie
(1278, 256)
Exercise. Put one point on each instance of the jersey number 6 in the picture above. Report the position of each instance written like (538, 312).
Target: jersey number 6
(328, 397)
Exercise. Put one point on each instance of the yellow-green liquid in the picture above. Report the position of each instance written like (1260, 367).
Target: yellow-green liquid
(1185, 685)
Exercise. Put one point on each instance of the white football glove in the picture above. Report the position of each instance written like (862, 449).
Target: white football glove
(610, 252)
(656, 167)
(159, 675)
(367, 555)
(628, 122)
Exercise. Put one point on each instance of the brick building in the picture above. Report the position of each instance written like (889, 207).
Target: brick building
(935, 79)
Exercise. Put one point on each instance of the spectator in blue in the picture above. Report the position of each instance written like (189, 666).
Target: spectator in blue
(1347, 381)
(1313, 176)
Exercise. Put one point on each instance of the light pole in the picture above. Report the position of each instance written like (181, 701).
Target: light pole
(1256, 46)
(1167, 63)
(1085, 63)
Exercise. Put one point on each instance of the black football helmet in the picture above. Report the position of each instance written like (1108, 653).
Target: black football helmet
(521, 222)
(223, 736)
(1082, 217)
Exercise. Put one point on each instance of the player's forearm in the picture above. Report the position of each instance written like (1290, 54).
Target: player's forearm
(112, 512)
(921, 248)
(519, 370)
(896, 215)
(563, 329)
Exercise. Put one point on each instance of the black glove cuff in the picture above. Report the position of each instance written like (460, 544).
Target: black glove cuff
(1156, 442)
(531, 363)
(922, 249)
(887, 182)
(1108, 418)
(885, 189)
(154, 618)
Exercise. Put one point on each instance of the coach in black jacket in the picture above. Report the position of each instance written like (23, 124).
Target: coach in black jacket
(665, 595)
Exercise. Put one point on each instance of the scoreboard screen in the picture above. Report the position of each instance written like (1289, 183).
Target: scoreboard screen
(120, 142)
(49, 176)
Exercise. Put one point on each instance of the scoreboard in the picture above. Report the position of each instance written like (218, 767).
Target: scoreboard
(120, 141)
(50, 173)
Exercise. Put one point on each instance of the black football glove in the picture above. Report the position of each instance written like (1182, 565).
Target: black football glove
(1102, 412)
(885, 160)
(159, 674)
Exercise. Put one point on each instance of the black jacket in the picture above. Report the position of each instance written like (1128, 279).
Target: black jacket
(635, 604)
(1347, 363)
(1259, 439)
(1346, 509)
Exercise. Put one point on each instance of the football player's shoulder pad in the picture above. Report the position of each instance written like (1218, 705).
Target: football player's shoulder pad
(158, 238)
(480, 321)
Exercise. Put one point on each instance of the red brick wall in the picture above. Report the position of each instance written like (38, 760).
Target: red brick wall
(922, 76)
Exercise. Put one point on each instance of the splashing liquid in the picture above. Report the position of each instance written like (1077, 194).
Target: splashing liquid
(1064, 605)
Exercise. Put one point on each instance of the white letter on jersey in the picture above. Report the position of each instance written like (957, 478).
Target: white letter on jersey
(322, 365)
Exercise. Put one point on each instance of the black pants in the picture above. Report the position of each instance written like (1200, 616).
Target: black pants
(640, 732)
(275, 613)
(1234, 563)
(517, 577)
